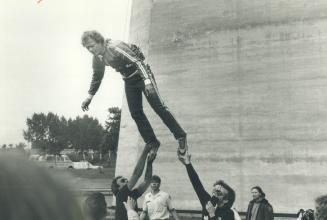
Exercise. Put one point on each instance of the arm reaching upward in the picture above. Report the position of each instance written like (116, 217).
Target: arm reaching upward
(202, 194)
(148, 174)
(138, 170)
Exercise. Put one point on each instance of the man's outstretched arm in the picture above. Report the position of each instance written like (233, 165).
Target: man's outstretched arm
(98, 72)
(148, 174)
(202, 194)
(138, 170)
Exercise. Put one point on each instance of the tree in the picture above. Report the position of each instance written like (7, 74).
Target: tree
(20, 146)
(37, 131)
(51, 134)
(57, 133)
(48, 133)
(112, 125)
(85, 133)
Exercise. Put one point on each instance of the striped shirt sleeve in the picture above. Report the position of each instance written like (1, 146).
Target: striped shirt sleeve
(125, 52)
(98, 72)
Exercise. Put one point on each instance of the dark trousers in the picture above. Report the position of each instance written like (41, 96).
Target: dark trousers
(133, 88)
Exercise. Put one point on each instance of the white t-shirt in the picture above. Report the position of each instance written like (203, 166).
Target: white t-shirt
(157, 206)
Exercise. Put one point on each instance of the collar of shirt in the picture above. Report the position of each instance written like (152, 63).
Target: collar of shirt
(158, 194)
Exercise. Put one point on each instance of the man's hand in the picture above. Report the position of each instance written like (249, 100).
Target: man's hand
(130, 204)
(86, 103)
(149, 88)
(151, 157)
(148, 147)
(211, 209)
(185, 159)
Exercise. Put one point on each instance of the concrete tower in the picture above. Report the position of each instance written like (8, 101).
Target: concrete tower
(247, 79)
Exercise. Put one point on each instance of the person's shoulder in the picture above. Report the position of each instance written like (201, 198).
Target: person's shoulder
(266, 202)
(163, 193)
(115, 43)
(267, 205)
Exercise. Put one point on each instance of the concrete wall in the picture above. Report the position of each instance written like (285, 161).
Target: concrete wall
(130, 143)
(247, 80)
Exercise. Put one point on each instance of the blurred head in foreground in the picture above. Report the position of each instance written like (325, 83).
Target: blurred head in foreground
(95, 206)
(30, 192)
(321, 207)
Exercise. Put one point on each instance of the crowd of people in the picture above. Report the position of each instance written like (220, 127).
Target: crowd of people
(31, 192)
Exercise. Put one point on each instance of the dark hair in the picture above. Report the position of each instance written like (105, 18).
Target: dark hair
(29, 191)
(95, 206)
(94, 35)
(321, 207)
(231, 193)
(114, 185)
(305, 215)
(156, 179)
(258, 188)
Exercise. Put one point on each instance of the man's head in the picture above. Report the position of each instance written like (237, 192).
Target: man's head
(118, 183)
(155, 183)
(257, 193)
(223, 194)
(95, 206)
(30, 192)
(93, 41)
(321, 207)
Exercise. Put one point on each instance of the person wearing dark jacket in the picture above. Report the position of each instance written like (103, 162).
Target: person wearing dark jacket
(259, 208)
(218, 205)
(129, 61)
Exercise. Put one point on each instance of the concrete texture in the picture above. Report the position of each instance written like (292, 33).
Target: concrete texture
(247, 80)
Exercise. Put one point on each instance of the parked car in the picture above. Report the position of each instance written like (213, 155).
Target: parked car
(55, 161)
(85, 165)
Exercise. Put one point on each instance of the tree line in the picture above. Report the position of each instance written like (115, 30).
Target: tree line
(50, 133)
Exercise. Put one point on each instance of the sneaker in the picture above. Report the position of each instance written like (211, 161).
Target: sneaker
(182, 148)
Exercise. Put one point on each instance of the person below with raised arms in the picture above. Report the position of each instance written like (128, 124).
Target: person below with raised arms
(123, 188)
(218, 205)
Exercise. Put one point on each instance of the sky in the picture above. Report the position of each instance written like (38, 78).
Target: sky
(44, 68)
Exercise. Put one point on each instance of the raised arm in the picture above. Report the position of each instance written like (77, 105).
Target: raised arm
(202, 194)
(148, 174)
(138, 170)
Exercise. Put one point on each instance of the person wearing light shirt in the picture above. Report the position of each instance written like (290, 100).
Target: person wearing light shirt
(157, 204)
